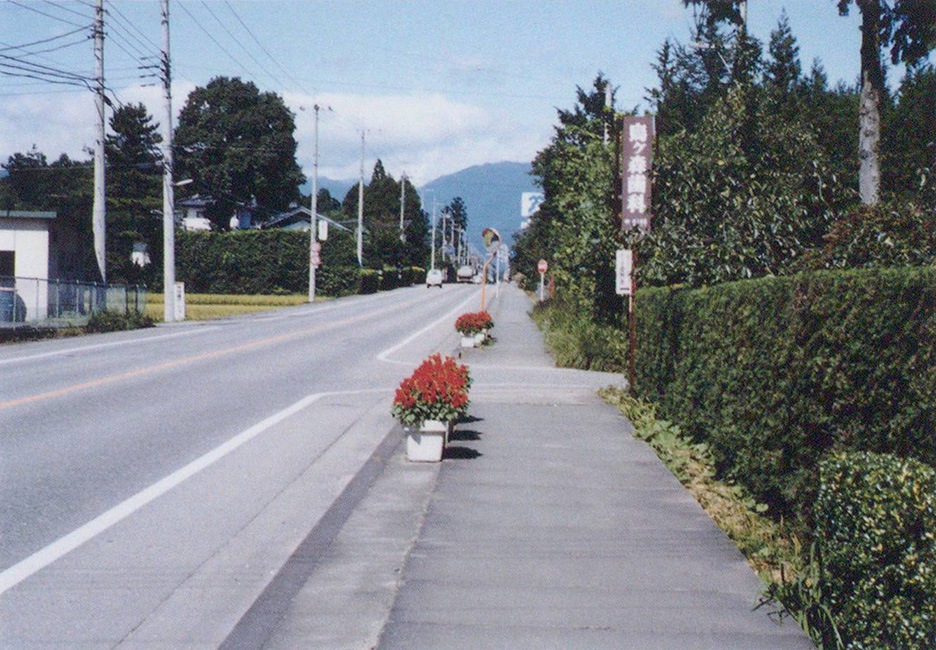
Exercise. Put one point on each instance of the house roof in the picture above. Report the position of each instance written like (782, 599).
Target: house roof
(300, 213)
(26, 214)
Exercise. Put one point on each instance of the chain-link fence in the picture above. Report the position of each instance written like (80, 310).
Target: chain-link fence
(58, 303)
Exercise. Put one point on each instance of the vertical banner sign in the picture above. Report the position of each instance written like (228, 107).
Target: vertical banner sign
(637, 150)
(624, 264)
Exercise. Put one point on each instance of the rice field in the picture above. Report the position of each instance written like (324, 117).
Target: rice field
(204, 306)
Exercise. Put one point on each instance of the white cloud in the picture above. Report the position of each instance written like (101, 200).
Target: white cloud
(424, 134)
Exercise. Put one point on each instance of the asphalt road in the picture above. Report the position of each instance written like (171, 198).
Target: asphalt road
(151, 481)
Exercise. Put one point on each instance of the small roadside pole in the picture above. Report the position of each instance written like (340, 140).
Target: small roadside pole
(624, 284)
(542, 266)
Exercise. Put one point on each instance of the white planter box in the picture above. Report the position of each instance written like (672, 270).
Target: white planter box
(479, 338)
(468, 341)
(425, 446)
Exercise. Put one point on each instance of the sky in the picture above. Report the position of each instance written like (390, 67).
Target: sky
(436, 85)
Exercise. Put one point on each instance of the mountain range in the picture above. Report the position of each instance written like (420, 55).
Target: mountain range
(491, 193)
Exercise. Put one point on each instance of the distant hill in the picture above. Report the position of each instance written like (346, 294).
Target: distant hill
(337, 189)
(491, 193)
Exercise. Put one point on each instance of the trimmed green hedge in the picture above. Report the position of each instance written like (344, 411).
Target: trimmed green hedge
(876, 530)
(263, 262)
(370, 281)
(775, 372)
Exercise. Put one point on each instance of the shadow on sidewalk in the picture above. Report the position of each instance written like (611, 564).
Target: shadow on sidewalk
(460, 453)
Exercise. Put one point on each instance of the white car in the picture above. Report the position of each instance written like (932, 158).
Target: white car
(434, 278)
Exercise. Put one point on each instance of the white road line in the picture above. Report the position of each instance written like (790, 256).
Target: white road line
(64, 545)
(383, 355)
(113, 344)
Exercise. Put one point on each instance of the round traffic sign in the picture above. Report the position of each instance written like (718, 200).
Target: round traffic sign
(542, 266)
(316, 247)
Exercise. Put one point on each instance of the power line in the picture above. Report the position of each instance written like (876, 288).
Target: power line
(264, 49)
(113, 6)
(71, 11)
(213, 39)
(24, 46)
(47, 15)
(241, 45)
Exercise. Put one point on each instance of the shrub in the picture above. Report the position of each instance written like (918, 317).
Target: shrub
(370, 281)
(106, 321)
(776, 372)
(262, 262)
(876, 530)
(413, 275)
(578, 342)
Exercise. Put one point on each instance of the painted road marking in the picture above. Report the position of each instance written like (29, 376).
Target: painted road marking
(64, 545)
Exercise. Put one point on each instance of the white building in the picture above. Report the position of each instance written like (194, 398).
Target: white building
(24, 262)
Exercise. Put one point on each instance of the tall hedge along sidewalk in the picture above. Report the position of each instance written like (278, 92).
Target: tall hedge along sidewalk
(775, 373)
(876, 531)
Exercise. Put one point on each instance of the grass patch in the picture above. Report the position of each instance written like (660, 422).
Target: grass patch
(206, 306)
(577, 342)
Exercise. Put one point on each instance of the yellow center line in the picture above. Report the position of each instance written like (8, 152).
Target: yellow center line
(111, 379)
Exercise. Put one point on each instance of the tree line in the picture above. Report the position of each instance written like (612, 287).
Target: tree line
(237, 146)
(759, 165)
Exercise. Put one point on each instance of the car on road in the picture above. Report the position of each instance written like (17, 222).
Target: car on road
(434, 278)
(465, 273)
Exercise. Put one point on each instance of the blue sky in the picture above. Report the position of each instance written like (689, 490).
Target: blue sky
(439, 85)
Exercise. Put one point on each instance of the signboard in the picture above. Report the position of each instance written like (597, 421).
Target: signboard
(542, 266)
(623, 267)
(637, 149)
(179, 295)
(322, 229)
(530, 203)
(492, 240)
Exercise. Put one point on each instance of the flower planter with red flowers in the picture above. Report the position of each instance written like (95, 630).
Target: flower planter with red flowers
(473, 327)
(428, 402)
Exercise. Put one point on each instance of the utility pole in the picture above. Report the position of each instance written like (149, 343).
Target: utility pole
(313, 219)
(402, 205)
(607, 109)
(360, 209)
(168, 187)
(432, 265)
(99, 213)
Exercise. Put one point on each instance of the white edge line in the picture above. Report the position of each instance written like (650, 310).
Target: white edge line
(64, 545)
(112, 344)
(383, 355)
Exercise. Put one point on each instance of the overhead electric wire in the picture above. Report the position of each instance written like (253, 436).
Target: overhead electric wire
(113, 5)
(71, 11)
(24, 46)
(47, 15)
(263, 48)
(213, 39)
(241, 45)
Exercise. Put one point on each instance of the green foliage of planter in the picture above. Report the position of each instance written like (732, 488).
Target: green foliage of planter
(106, 321)
(876, 530)
(776, 372)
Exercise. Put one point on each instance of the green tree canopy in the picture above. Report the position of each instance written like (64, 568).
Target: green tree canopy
(238, 145)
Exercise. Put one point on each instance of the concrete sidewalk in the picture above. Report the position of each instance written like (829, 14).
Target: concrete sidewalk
(547, 525)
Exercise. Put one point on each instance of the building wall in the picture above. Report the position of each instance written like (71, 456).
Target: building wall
(29, 240)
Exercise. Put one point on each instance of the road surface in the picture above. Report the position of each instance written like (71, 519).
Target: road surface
(154, 481)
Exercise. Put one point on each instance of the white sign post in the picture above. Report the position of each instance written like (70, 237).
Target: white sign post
(179, 295)
(623, 267)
